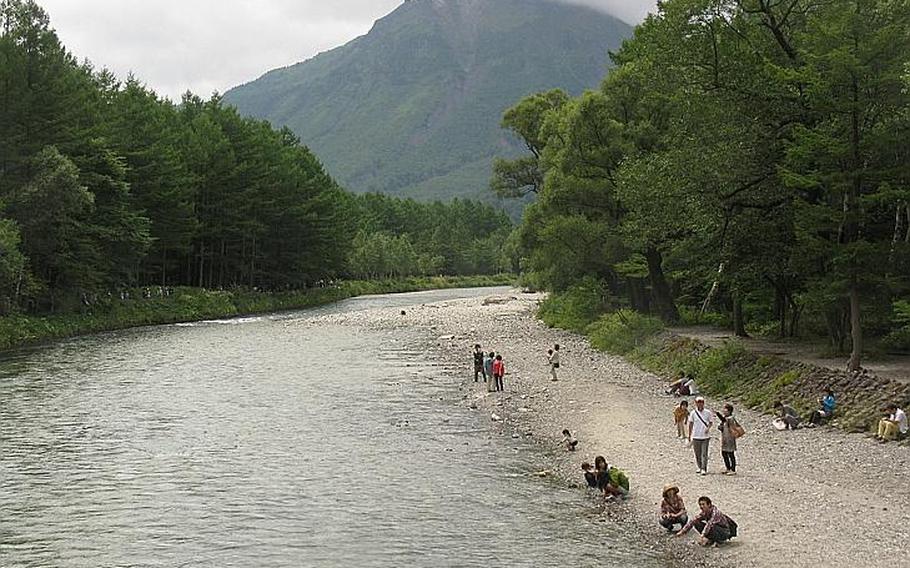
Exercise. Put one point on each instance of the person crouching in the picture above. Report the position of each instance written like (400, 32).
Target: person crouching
(714, 526)
(672, 509)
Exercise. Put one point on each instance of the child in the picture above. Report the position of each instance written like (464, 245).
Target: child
(680, 415)
(499, 369)
(569, 441)
(590, 476)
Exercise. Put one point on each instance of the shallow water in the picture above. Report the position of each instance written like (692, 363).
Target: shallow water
(263, 442)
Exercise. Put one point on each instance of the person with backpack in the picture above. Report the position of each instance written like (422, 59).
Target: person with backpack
(700, 422)
(714, 526)
(611, 480)
(730, 430)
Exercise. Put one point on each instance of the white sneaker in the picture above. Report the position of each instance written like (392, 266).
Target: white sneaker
(704, 472)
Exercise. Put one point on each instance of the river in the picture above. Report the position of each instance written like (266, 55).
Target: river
(262, 442)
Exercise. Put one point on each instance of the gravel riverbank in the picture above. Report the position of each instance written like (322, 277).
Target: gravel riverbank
(805, 498)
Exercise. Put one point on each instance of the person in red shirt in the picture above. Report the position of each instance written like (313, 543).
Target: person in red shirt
(499, 369)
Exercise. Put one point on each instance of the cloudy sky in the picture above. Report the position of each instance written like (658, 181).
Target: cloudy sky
(213, 45)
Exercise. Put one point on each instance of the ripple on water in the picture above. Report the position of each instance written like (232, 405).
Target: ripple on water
(267, 444)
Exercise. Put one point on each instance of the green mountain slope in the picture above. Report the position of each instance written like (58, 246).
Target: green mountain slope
(413, 107)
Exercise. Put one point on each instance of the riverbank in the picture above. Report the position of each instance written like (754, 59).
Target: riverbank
(819, 497)
(180, 305)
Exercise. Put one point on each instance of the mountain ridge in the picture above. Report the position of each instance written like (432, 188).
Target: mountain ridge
(412, 108)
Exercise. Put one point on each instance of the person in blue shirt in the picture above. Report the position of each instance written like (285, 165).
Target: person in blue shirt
(825, 409)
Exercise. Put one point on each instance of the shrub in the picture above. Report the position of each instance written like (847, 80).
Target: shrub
(621, 332)
(689, 315)
(716, 368)
(576, 308)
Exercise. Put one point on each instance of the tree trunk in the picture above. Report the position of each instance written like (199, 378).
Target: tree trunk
(739, 323)
(638, 295)
(896, 237)
(713, 292)
(662, 297)
(202, 264)
(164, 268)
(856, 330)
(780, 309)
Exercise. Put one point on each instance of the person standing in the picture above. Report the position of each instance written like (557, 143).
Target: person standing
(729, 428)
(553, 360)
(478, 364)
(488, 370)
(700, 422)
(680, 416)
(499, 369)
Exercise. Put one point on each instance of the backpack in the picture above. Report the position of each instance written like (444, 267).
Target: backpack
(619, 478)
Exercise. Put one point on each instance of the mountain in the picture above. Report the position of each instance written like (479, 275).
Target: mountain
(413, 107)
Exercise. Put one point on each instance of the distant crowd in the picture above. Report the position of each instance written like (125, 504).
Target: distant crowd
(694, 426)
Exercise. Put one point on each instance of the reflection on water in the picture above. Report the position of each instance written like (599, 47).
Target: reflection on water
(263, 443)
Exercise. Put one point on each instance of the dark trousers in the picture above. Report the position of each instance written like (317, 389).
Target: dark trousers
(498, 379)
(729, 460)
(716, 534)
(818, 417)
(670, 522)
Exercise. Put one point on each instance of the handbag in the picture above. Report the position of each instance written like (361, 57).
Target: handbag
(737, 430)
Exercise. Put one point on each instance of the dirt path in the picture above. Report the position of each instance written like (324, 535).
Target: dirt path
(886, 367)
(807, 498)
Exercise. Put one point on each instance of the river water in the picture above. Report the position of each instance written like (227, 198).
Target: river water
(263, 442)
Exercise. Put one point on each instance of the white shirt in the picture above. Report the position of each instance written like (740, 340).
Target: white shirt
(900, 417)
(690, 384)
(554, 358)
(699, 428)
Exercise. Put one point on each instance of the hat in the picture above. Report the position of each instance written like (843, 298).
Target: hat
(669, 487)
(699, 399)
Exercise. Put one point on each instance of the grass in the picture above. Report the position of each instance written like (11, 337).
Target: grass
(193, 304)
(731, 372)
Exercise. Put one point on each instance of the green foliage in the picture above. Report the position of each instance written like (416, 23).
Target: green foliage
(898, 340)
(576, 308)
(106, 186)
(621, 332)
(412, 108)
(194, 304)
(403, 237)
(690, 315)
(746, 157)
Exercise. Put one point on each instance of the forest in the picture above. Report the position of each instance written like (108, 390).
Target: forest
(106, 186)
(746, 163)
